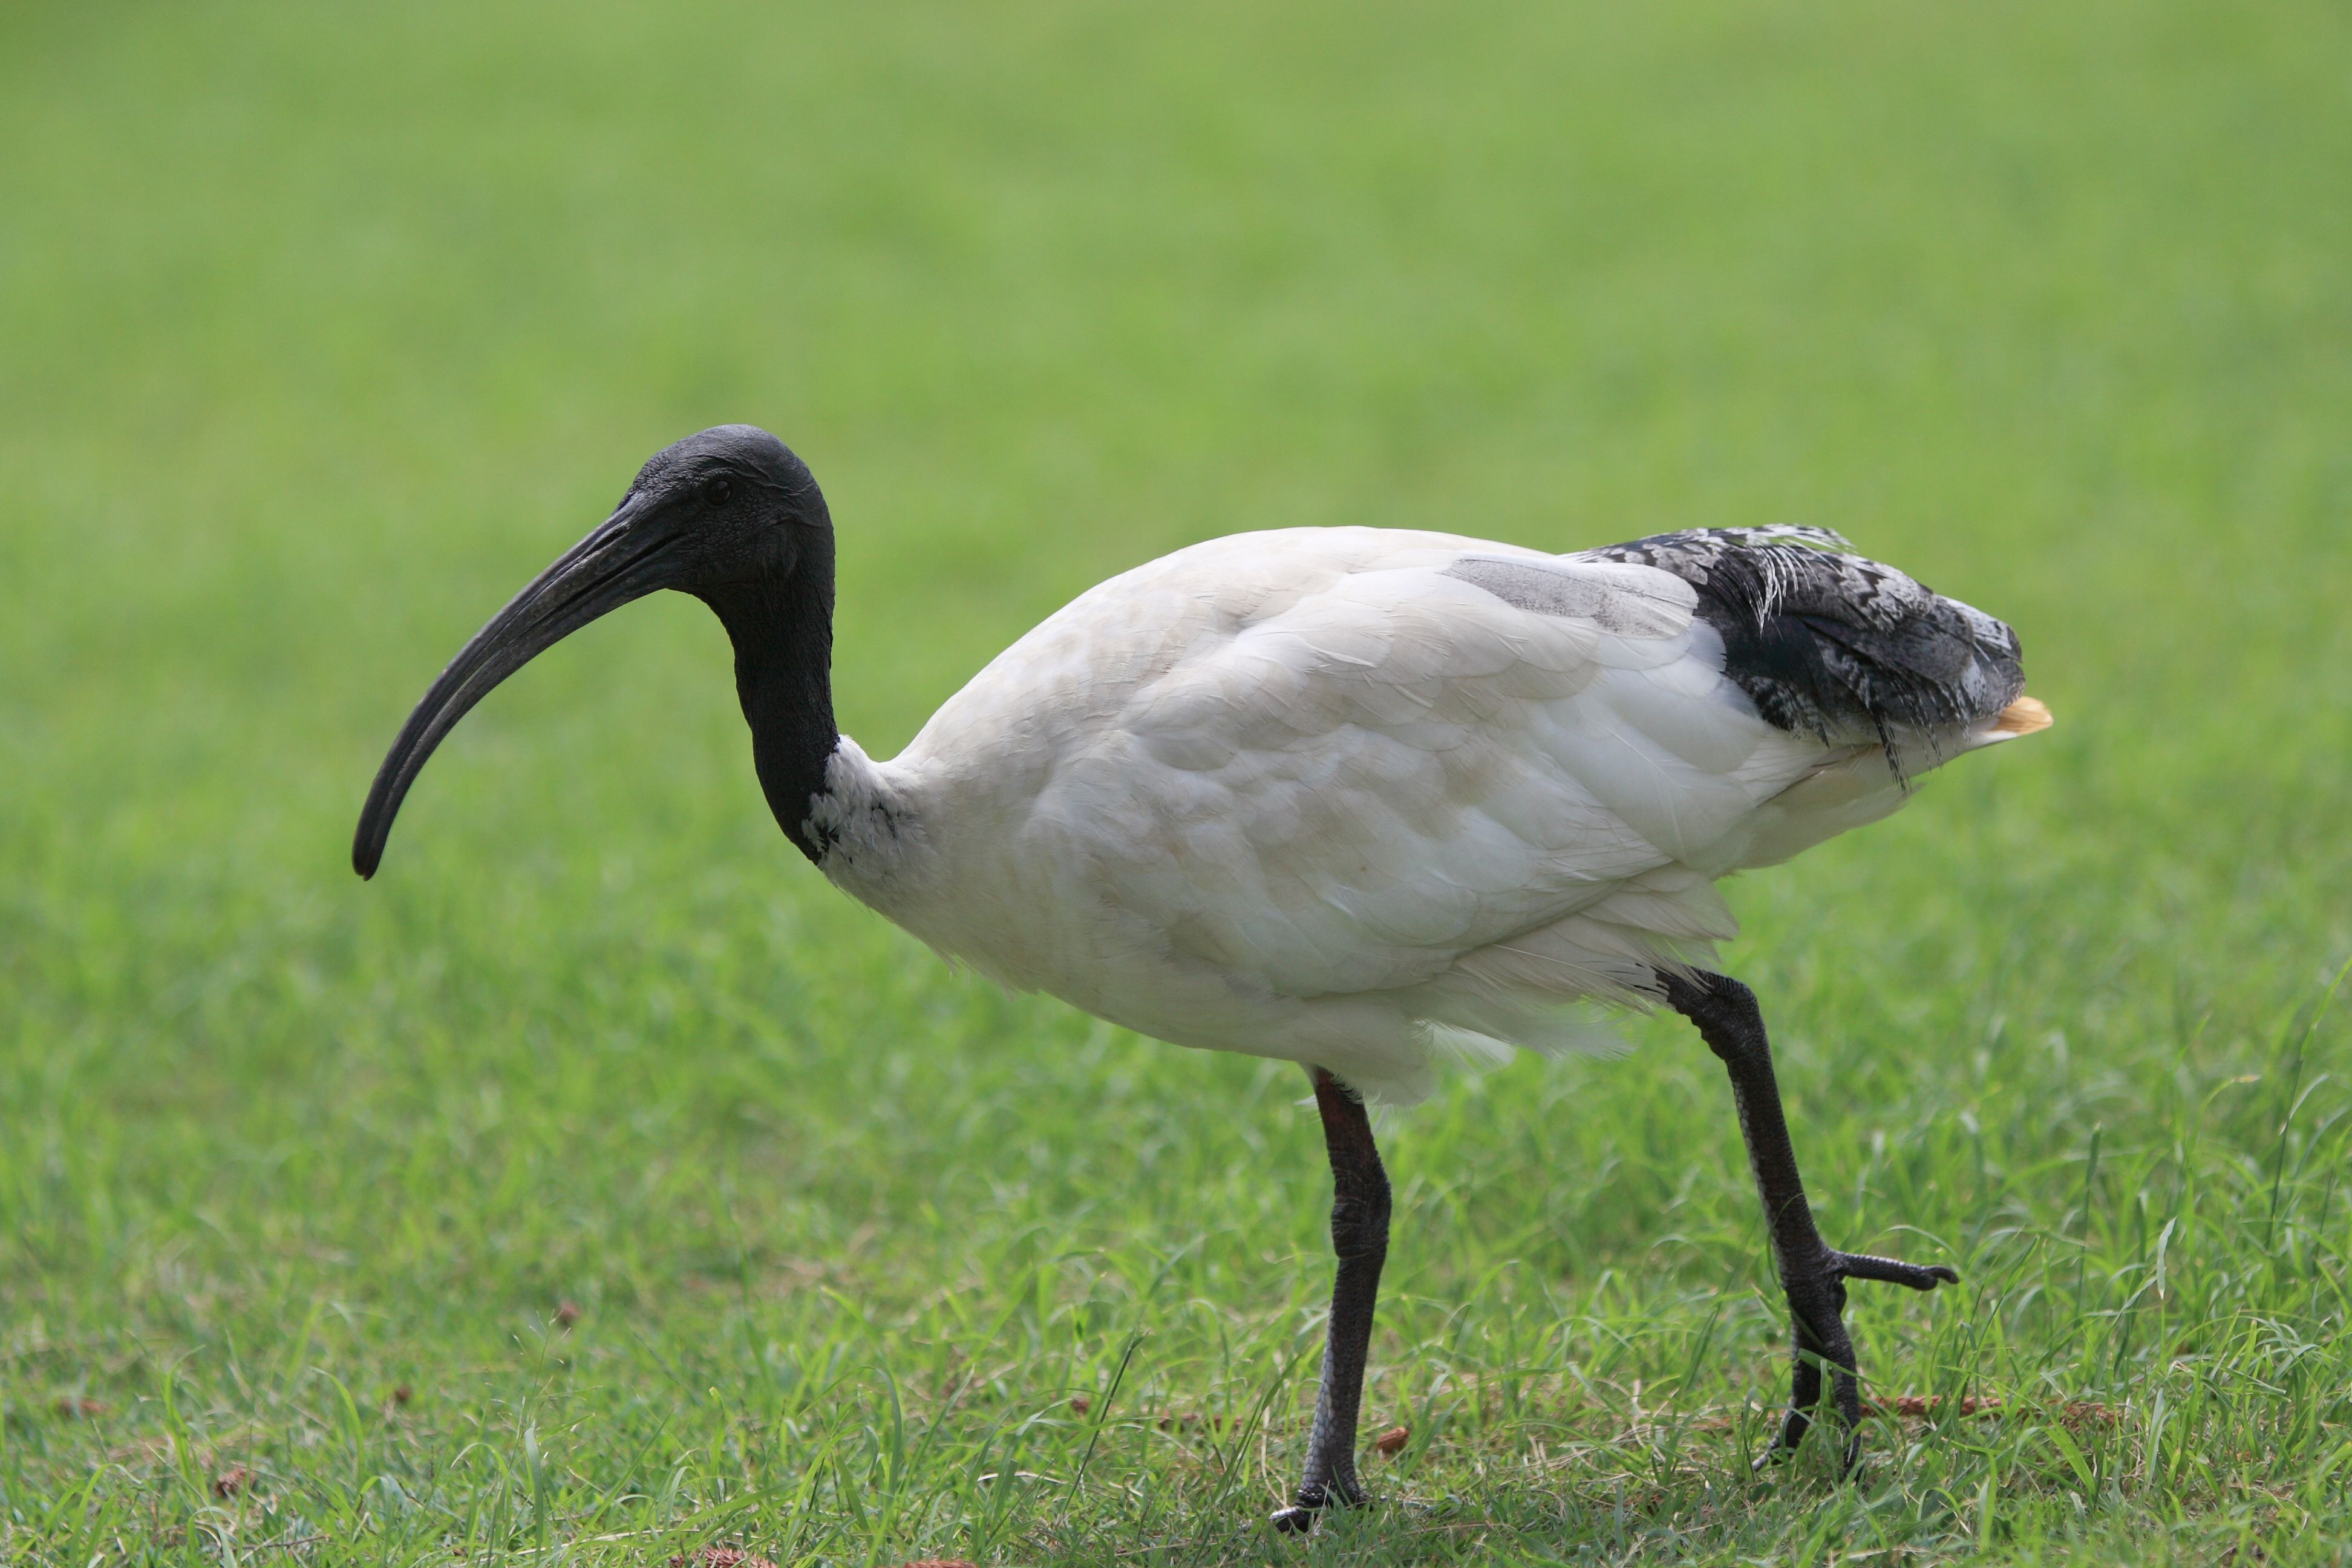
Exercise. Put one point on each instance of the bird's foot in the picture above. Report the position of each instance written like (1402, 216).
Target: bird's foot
(1300, 1517)
(1817, 1307)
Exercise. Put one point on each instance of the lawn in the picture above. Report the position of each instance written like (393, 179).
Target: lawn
(597, 1186)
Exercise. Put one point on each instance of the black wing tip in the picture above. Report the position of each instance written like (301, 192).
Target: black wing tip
(1829, 644)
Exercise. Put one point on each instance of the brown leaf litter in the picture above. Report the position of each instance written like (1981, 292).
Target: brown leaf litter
(2074, 1413)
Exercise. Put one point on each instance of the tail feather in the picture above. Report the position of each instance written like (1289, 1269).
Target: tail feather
(1840, 648)
(2026, 716)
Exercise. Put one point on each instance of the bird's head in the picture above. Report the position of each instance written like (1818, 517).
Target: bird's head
(729, 507)
(728, 515)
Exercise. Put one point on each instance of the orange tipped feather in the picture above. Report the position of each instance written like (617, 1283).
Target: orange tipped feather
(2022, 717)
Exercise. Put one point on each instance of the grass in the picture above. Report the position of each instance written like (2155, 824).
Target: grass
(596, 1186)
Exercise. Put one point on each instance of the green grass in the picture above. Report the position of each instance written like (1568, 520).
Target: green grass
(322, 328)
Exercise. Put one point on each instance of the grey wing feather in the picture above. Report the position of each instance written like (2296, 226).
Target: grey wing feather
(1829, 644)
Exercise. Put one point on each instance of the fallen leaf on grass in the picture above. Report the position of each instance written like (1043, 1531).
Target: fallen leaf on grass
(1925, 1405)
(146, 1448)
(1191, 1419)
(231, 1481)
(721, 1557)
(1392, 1441)
(2074, 1413)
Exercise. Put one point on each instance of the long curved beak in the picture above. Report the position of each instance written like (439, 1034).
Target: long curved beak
(614, 565)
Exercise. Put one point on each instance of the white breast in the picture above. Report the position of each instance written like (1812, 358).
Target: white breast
(1318, 795)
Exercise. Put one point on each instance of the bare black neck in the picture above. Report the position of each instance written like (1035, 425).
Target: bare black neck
(783, 633)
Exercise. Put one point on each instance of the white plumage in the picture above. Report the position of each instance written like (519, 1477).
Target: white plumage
(1310, 794)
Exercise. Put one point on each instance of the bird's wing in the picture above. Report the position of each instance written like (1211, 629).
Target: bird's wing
(1434, 745)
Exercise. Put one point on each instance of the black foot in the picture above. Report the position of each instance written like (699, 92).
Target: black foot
(1812, 1272)
(1817, 1306)
(1300, 1517)
(1294, 1520)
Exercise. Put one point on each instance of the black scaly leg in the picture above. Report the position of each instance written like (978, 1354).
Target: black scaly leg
(1813, 1273)
(1360, 1236)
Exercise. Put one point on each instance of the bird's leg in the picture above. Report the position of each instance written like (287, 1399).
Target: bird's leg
(1360, 1236)
(1812, 1272)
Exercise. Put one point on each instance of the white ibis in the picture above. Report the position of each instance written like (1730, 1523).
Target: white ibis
(1351, 797)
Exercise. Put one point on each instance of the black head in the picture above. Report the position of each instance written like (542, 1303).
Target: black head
(728, 506)
(728, 515)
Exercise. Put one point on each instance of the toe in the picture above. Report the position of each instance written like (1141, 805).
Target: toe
(1895, 1271)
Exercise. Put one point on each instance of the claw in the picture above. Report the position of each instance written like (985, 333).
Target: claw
(1300, 1517)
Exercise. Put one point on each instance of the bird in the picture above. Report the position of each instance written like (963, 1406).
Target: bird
(1367, 800)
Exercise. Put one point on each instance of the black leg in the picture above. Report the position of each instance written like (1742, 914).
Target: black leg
(1812, 1272)
(1360, 1236)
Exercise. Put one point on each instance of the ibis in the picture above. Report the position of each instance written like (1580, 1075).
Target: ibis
(1362, 799)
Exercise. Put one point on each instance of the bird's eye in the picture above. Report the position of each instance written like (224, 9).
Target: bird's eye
(718, 490)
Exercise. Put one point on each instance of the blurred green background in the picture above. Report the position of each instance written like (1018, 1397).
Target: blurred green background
(324, 327)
